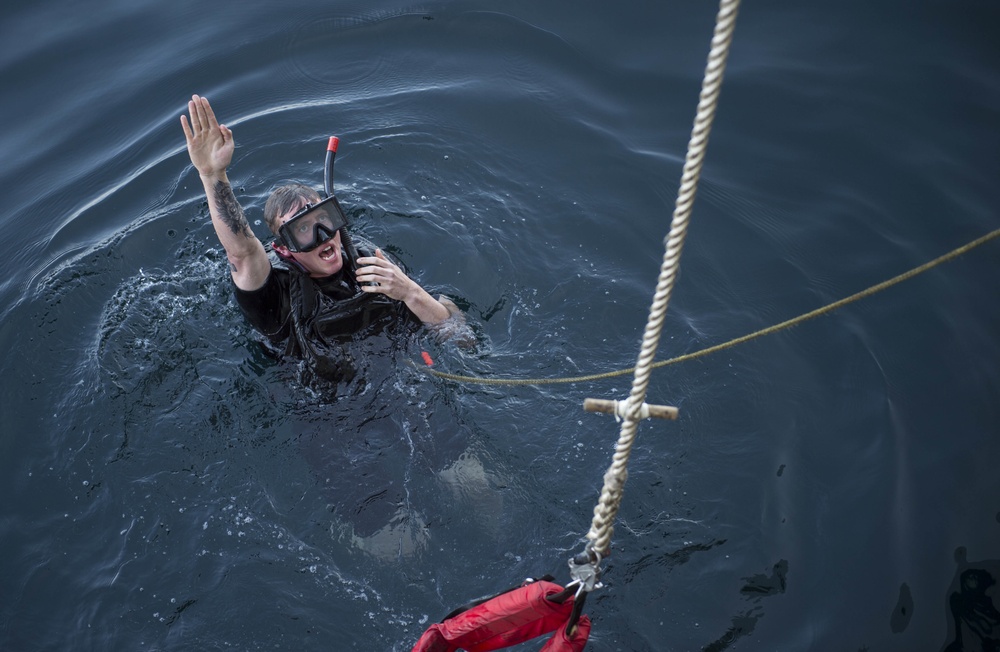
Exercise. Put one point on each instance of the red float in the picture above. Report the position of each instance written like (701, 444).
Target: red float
(508, 619)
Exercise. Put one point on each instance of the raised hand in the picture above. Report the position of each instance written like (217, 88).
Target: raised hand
(209, 144)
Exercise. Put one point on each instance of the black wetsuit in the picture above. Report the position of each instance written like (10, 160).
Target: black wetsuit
(311, 319)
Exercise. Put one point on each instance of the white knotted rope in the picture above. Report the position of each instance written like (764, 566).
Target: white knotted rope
(602, 526)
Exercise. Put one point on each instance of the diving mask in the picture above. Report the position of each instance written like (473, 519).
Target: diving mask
(312, 226)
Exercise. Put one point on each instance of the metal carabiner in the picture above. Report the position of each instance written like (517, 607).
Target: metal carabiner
(588, 573)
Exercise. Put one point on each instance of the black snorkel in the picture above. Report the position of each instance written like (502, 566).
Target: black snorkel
(345, 238)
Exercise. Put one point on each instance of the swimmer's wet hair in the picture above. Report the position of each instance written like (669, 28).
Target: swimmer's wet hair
(285, 198)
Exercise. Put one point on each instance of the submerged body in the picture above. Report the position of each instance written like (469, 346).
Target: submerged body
(315, 303)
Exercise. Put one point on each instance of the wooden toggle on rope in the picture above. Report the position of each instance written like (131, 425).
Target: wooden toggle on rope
(622, 408)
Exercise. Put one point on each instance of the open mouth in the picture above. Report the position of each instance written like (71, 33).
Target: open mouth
(327, 253)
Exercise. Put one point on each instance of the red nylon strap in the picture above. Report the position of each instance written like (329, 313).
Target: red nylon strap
(559, 642)
(508, 619)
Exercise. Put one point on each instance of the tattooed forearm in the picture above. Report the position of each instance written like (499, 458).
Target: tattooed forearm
(230, 210)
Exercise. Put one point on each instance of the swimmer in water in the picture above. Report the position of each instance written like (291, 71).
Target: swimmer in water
(304, 296)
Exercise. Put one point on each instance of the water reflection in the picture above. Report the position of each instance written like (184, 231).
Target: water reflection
(974, 621)
(756, 588)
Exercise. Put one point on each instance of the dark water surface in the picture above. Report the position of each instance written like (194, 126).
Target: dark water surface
(167, 486)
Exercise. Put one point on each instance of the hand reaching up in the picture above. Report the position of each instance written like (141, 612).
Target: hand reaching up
(210, 145)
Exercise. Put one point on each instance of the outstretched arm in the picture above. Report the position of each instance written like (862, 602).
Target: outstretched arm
(210, 146)
(395, 284)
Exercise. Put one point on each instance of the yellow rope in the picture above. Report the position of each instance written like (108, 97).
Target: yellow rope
(951, 255)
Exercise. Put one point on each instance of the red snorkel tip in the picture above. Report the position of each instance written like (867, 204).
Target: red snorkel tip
(331, 146)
